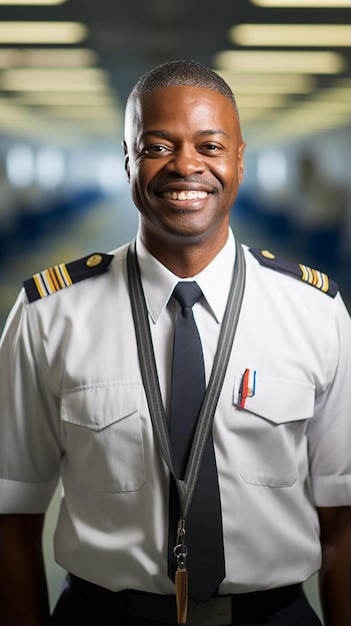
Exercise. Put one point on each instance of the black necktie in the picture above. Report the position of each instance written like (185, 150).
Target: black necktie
(204, 532)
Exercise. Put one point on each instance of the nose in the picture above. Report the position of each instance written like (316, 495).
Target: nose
(185, 161)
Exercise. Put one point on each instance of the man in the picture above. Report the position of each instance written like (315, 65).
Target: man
(75, 400)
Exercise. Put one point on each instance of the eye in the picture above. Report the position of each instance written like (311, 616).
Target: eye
(155, 150)
(210, 147)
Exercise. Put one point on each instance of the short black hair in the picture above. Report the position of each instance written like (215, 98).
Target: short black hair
(189, 73)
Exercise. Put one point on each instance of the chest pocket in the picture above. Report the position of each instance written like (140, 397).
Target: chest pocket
(269, 432)
(102, 437)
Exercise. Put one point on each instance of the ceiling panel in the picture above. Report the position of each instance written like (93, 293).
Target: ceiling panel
(125, 39)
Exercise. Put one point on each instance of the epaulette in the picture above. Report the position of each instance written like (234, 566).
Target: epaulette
(64, 275)
(313, 277)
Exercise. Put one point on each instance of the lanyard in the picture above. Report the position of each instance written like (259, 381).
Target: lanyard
(147, 363)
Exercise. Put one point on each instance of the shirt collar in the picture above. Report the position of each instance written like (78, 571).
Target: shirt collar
(214, 280)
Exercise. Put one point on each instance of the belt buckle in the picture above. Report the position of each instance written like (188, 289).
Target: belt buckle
(214, 612)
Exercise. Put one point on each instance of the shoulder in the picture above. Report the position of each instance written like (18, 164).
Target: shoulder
(63, 275)
(300, 271)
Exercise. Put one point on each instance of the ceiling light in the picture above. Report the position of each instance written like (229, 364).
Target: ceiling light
(289, 127)
(268, 83)
(265, 89)
(56, 73)
(291, 35)
(312, 114)
(297, 120)
(270, 100)
(31, 2)
(68, 98)
(42, 32)
(87, 113)
(278, 61)
(257, 115)
(82, 86)
(309, 110)
(318, 4)
(325, 107)
(47, 57)
(55, 79)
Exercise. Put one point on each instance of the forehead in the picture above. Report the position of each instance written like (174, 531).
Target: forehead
(186, 107)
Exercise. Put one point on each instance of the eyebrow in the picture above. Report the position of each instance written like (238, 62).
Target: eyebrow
(213, 131)
(164, 134)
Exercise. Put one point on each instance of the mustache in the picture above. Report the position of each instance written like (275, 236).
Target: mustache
(180, 179)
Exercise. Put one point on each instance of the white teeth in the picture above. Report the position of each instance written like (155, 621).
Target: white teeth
(185, 195)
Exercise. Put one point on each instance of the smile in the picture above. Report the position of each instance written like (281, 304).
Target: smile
(185, 195)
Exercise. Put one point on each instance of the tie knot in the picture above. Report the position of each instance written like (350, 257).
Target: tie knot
(187, 293)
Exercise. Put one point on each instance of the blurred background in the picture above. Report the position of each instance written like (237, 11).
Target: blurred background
(66, 68)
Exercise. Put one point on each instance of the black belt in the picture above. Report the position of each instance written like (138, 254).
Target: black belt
(218, 611)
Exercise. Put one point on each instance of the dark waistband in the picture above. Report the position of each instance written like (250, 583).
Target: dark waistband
(243, 607)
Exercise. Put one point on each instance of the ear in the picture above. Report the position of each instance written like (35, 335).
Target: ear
(126, 160)
(241, 161)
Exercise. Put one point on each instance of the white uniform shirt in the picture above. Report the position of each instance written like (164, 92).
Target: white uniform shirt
(73, 404)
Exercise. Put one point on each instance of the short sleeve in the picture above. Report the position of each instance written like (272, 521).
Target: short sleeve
(329, 432)
(29, 441)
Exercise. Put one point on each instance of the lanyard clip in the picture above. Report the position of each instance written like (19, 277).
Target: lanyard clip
(180, 549)
(181, 576)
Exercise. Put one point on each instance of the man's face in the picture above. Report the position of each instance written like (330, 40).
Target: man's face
(184, 160)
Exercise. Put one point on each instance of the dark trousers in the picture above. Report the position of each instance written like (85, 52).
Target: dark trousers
(75, 610)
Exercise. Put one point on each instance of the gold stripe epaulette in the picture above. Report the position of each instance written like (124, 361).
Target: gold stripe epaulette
(305, 273)
(64, 275)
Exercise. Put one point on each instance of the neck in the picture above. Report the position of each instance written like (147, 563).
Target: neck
(185, 258)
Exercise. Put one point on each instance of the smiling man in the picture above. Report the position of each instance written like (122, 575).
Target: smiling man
(193, 396)
(184, 158)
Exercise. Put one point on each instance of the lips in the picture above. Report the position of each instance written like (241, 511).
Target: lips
(185, 195)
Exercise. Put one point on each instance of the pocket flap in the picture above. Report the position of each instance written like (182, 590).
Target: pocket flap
(278, 400)
(99, 405)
